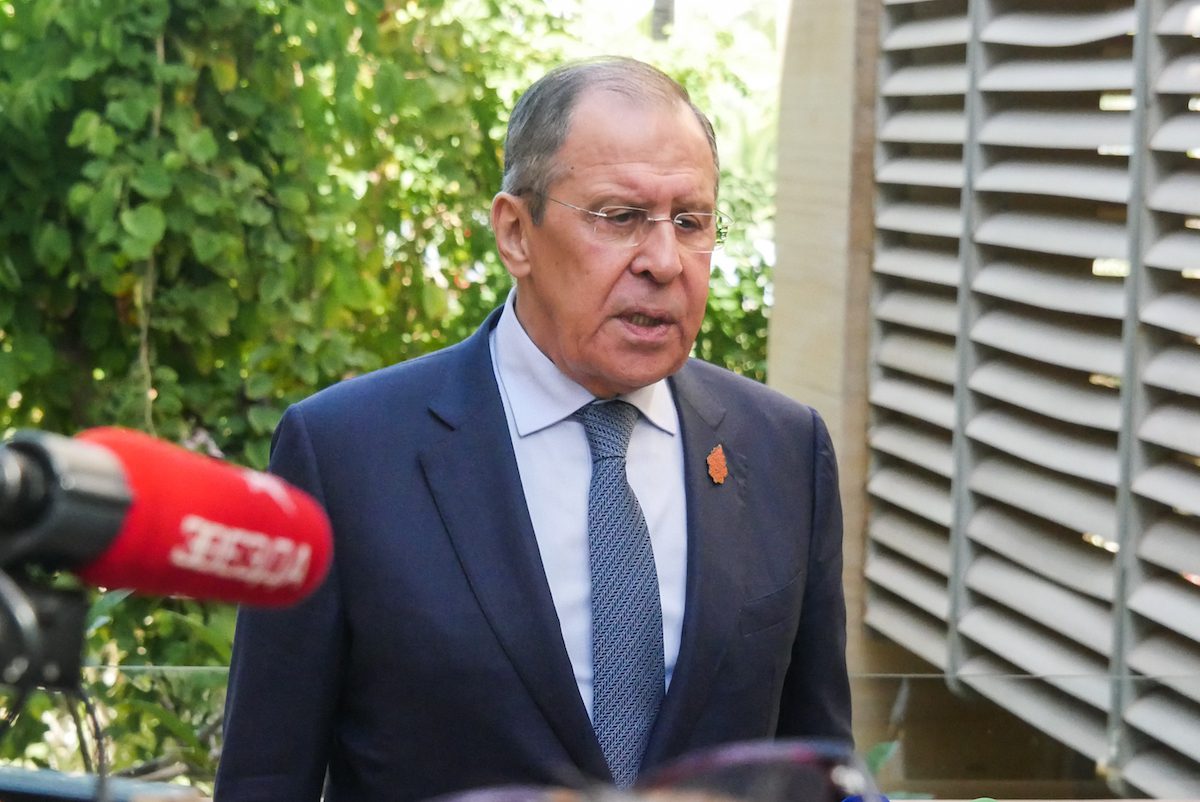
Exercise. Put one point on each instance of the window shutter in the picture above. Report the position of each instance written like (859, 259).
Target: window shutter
(1035, 374)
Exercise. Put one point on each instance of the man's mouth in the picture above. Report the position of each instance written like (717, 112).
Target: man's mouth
(640, 319)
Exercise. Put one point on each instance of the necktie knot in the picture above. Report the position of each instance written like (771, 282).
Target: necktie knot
(608, 426)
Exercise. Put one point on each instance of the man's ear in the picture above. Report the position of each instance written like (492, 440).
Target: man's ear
(511, 224)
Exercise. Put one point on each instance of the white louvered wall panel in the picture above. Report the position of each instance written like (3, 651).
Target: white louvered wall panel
(1161, 746)
(919, 175)
(1048, 194)
(1037, 295)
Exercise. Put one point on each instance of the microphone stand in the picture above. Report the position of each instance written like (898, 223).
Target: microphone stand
(46, 650)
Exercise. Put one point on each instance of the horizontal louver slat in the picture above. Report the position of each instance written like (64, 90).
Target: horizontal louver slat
(1083, 621)
(1182, 18)
(1176, 312)
(1180, 77)
(917, 446)
(911, 583)
(1082, 507)
(1178, 193)
(1169, 719)
(914, 538)
(915, 400)
(1058, 290)
(1175, 251)
(923, 172)
(1107, 132)
(1078, 453)
(1074, 345)
(1057, 234)
(1177, 135)
(1173, 543)
(922, 636)
(919, 355)
(1059, 75)
(926, 79)
(928, 32)
(932, 127)
(1175, 484)
(920, 218)
(1049, 392)
(1068, 179)
(1053, 28)
(1175, 368)
(1169, 602)
(933, 267)
(1072, 722)
(1171, 660)
(918, 495)
(1061, 664)
(1044, 549)
(1163, 774)
(936, 313)
(1175, 426)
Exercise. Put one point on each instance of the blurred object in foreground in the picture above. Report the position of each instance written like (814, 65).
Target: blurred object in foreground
(764, 771)
(749, 771)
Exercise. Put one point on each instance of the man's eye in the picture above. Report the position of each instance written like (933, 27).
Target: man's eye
(690, 222)
(623, 217)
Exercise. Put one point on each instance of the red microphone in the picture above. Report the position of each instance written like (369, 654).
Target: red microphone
(124, 510)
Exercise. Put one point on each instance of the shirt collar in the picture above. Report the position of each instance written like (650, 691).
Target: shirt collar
(540, 395)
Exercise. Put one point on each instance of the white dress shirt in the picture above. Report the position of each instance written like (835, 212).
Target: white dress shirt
(555, 465)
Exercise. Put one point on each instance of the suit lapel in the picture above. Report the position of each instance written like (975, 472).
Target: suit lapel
(473, 476)
(713, 515)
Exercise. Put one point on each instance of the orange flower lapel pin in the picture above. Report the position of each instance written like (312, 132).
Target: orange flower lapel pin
(717, 469)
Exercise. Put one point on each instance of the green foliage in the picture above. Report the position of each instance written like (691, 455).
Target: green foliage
(214, 207)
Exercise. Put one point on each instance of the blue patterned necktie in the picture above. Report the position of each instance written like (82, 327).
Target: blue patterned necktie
(627, 634)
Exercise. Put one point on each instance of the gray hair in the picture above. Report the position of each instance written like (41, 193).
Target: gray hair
(538, 125)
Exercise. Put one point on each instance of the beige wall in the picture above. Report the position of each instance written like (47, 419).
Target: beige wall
(819, 322)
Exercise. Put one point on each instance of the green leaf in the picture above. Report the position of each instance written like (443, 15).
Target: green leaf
(258, 454)
(216, 637)
(204, 201)
(224, 73)
(216, 305)
(103, 607)
(10, 279)
(308, 340)
(165, 718)
(152, 181)
(104, 140)
(52, 247)
(206, 244)
(273, 286)
(84, 128)
(259, 386)
(254, 213)
(130, 112)
(34, 352)
(200, 145)
(879, 754)
(79, 196)
(145, 222)
(263, 418)
(293, 199)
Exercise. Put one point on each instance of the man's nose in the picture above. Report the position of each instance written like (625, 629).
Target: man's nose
(659, 255)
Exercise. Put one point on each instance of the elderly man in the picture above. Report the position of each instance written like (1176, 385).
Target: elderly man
(565, 552)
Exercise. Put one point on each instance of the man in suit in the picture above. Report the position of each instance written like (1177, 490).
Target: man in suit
(451, 646)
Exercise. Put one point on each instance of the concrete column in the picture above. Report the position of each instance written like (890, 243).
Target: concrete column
(819, 322)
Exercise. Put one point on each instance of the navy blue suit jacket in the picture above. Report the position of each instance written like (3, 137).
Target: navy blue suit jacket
(431, 660)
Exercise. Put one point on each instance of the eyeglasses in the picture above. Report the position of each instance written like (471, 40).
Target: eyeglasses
(629, 226)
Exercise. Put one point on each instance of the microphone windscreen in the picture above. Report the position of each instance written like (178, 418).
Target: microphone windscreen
(202, 528)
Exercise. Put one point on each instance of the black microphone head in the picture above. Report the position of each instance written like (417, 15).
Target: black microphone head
(24, 491)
